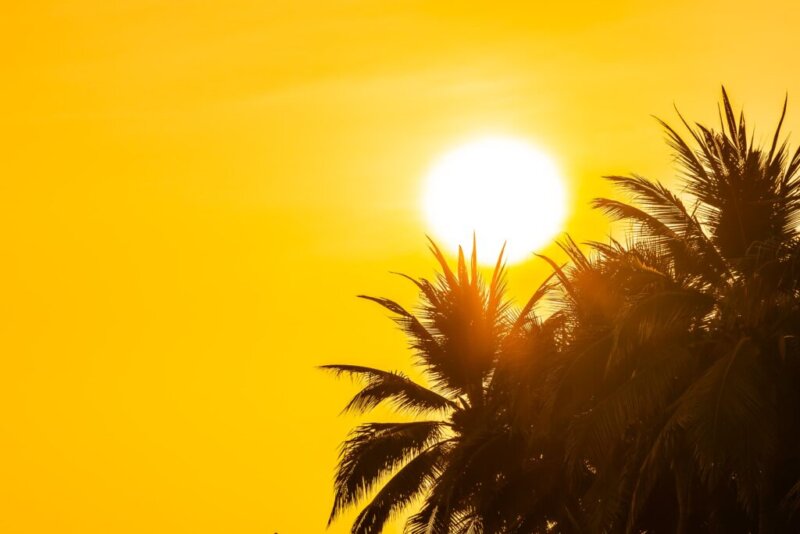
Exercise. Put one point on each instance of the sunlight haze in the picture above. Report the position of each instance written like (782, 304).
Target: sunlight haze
(194, 193)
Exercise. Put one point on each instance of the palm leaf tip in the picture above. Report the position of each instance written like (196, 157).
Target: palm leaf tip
(390, 305)
(393, 387)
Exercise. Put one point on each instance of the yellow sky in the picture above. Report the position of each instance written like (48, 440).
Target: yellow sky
(193, 192)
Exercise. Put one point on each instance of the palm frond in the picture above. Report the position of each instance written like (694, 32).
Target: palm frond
(732, 394)
(667, 218)
(394, 387)
(425, 521)
(665, 317)
(374, 450)
(650, 389)
(447, 273)
(400, 490)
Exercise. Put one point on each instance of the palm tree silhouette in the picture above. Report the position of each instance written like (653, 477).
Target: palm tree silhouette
(463, 330)
(696, 414)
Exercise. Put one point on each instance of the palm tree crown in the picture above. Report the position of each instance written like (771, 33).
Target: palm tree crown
(459, 335)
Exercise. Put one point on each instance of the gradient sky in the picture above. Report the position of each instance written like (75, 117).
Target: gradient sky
(193, 193)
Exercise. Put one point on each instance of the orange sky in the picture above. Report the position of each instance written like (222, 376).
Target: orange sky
(193, 192)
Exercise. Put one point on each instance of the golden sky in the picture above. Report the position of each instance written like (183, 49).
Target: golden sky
(193, 193)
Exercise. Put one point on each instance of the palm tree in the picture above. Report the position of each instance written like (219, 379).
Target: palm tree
(692, 328)
(457, 453)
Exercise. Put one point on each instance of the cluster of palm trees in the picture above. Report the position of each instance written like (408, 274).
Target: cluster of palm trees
(661, 394)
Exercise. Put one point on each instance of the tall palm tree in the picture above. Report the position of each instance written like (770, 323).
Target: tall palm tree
(694, 339)
(460, 450)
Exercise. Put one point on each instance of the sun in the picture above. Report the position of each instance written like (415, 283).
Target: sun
(503, 189)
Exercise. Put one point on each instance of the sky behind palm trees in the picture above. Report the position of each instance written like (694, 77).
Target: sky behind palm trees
(195, 192)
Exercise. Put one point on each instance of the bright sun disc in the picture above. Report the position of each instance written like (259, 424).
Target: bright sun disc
(504, 190)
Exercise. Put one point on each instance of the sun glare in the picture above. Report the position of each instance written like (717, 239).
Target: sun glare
(504, 190)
